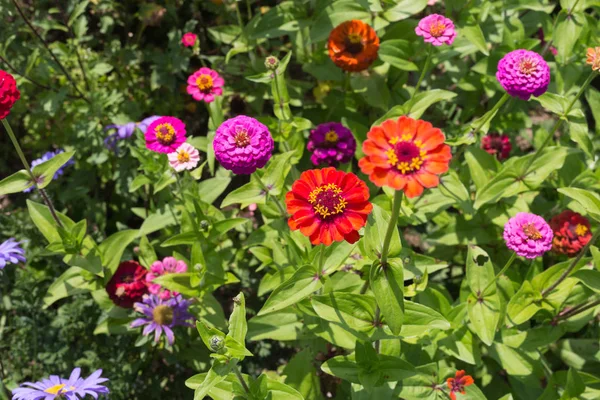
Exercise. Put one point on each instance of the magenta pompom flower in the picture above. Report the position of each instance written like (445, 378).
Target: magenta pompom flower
(523, 73)
(205, 84)
(189, 39)
(528, 235)
(185, 157)
(162, 316)
(242, 145)
(331, 143)
(165, 135)
(169, 265)
(436, 29)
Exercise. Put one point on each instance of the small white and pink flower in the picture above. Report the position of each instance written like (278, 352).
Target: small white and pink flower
(186, 157)
(169, 265)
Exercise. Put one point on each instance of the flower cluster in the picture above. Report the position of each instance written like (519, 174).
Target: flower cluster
(169, 265)
(55, 387)
(162, 315)
(9, 94)
(46, 157)
(11, 252)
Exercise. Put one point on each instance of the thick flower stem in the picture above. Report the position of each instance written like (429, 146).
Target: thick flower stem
(573, 264)
(391, 227)
(578, 310)
(502, 271)
(275, 199)
(423, 72)
(241, 378)
(491, 114)
(42, 192)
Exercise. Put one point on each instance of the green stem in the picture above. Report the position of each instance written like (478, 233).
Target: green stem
(423, 72)
(581, 308)
(42, 192)
(241, 378)
(266, 190)
(502, 271)
(391, 227)
(491, 114)
(573, 264)
(322, 258)
(239, 17)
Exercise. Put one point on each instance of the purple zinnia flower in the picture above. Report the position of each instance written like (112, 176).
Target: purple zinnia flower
(242, 145)
(11, 253)
(528, 235)
(331, 144)
(45, 157)
(523, 73)
(162, 315)
(53, 387)
(125, 131)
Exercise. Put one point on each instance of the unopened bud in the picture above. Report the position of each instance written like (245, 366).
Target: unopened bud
(216, 343)
(271, 63)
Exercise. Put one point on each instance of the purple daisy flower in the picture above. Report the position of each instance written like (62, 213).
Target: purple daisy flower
(331, 143)
(11, 253)
(528, 235)
(162, 316)
(54, 387)
(47, 156)
(125, 131)
(523, 73)
(90, 385)
(242, 145)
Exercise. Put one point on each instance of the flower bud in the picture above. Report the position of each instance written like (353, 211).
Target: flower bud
(216, 343)
(204, 225)
(271, 63)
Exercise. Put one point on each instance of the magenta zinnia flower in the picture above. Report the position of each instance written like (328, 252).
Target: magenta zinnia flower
(169, 265)
(242, 145)
(528, 235)
(497, 145)
(331, 143)
(165, 135)
(436, 29)
(523, 73)
(162, 316)
(189, 39)
(205, 84)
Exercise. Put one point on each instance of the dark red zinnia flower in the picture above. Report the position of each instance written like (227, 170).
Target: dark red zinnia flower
(497, 145)
(9, 94)
(571, 232)
(128, 284)
(458, 383)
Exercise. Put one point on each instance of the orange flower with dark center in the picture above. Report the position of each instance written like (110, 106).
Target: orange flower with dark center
(353, 45)
(328, 205)
(405, 154)
(458, 383)
(593, 58)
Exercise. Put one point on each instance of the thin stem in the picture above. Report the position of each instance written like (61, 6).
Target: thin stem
(322, 258)
(64, 70)
(266, 190)
(503, 270)
(239, 16)
(391, 227)
(573, 264)
(491, 114)
(241, 378)
(280, 102)
(377, 316)
(249, 9)
(423, 72)
(578, 310)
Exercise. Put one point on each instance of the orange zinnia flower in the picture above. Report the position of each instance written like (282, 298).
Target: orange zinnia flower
(458, 383)
(353, 45)
(593, 58)
(406, 155)
(328, 205)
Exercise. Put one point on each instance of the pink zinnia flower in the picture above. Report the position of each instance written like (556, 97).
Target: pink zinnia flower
(185, 157)
(436, 29)
(189, 39)
(205, 84)
(165, 135)
(528, 235)
(169, 265)
(523, 73)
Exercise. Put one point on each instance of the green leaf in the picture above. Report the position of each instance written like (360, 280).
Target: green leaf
(480, 271)
(333, 15)
(482, 166)
(302, 284)
(403, 9)
(138, 182)
(209, 190)
(276, 171)
(15, 183)
(387, 283)
(579, 133)
(301, 375)
(472, 32)
(221, 227)
(419, 319)
(112, 249)
(248, 194)
(484, 314)
(375, 231)
(422, 101)
(343, 367)
(44, 172)
(77, 11)
(523, 305)
(516, 362)
(574, 387)
(284, 326)
(215, 375)
(355, 313)
(397, 52)
(567, 32)
(206, 334)
(147, 255)
(589, 201)
(238, 326)
(166, 179)
(589, 277)
(186, 238)
(42, 218)
(71, 282)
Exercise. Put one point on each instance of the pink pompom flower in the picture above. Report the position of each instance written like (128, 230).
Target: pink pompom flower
(523, 73)
(528, 235)
(169, 265)
(436, 29)
(185, 157)
(165, 135)
(205, 84)
(189, 39)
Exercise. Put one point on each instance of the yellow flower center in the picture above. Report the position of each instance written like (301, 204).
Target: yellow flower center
(162, 315)
(406, 155)
(204, 82)
(531, 231)
(183, 156)
(354, 43)
(56, 389)
(527, 66)
(331, 137)
(241, 137)
(437, 29)
(354, 38)
(327, 200)
(165, 134)
(581, 230)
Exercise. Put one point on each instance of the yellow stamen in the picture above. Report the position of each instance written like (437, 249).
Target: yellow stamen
(162, 315)
(165, 134)
(531, 231)
(327, 200)
(437, 29)
(581, 230)
(354, 38)
(183, 156)
(55, 389)
(204, 82)
(331, 137)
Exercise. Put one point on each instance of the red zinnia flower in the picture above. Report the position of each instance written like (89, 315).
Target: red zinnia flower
(328, 205)
(128, 284)
(497, 145)
(9, 94)
(571, 232)
(405, 154)
(458, 383)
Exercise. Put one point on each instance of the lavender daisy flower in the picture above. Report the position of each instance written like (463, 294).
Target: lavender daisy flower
(11, 253)
(162, 315)
(90, 385)
(54, 387)
(331, 143)
(125, 131)
(45, 157)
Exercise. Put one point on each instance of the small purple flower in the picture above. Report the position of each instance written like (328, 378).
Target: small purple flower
(242, 145)
(162, 315)
(11, 253)
(523, 73)
(91, 385)
(331, 143)
(125, 131)
(54, 387)
(528, 235)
